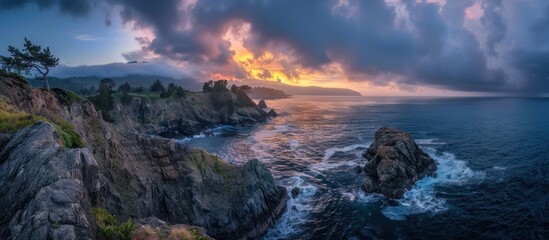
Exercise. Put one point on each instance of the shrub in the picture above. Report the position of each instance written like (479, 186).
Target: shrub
(69, 137)
(73, 97)
(12, 120)
(109, 229)
(14, 75)
(180, 233)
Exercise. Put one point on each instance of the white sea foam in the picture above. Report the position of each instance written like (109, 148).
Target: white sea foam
(429, 141)
(325, 164)
(499, 168)
(331, 151)
(297, 208)
(294, 144)
(186, 139)
(422, 197)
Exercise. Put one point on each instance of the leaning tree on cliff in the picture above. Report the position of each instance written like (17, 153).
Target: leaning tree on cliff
(31, 57)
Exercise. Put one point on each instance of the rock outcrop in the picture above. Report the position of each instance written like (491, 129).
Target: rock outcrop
(190, 186)
(395, 163)
(141, 176)
(187, 115)
(46, 191)
(262, 104)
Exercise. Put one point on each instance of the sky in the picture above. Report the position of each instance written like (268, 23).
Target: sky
(376, 47)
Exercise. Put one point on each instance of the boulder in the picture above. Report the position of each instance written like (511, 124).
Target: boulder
(272, 113)
(47, 190)
(395, 163)
(295, 192)
(262, 104)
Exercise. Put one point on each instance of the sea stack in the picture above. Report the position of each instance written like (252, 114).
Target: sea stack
(395, 163)
(262, 104)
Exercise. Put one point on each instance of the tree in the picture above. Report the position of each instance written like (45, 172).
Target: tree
(126, 87)
(157, 86)
(220, 85)
(125, 90)
(8, 63)
(208, 86)
(36, 58)
(104, 100)
(18, 62)
(172, 88)
(245, 88)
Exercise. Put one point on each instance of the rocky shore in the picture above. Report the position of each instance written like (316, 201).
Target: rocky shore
(395, 163)
(127, 170)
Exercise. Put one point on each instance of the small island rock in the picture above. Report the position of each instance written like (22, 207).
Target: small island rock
(395, 163)
(262, 104)
(272, 113)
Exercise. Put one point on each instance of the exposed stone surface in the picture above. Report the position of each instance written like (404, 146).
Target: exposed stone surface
(395, 163)
(182, 185)
(262, 104)
(295, 192)
(45, 188)
(141, 175)
(272, 113)
(188, 115)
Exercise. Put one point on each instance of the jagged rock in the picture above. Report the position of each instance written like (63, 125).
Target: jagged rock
(149, 176)
(295, 192)
(272, 113)
(262, 104)
(47, 190)
(395, 163)
(188, 115)
(190, 186)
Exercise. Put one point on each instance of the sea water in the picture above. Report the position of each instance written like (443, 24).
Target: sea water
(492, 156)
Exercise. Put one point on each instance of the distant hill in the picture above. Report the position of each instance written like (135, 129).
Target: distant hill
(137, 80)
(299, 90)
(267, 93)
(76, 84)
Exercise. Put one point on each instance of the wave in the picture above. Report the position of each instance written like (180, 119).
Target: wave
(331, 151)
(429, 141)
(296, 208)
(422, 197)
(208, 133)
(294, 144)
(325, 164)
(196, 136)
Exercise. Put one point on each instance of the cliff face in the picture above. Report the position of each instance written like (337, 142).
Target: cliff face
(47, 191)
(146, 176)
(178, 117)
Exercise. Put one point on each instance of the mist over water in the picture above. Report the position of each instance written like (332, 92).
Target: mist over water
(492, 156)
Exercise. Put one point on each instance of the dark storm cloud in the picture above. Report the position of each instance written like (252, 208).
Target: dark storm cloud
(361, 35)
(493, 21)
(429, 46)
(71, 7)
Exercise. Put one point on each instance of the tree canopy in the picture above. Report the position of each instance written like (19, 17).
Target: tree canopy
(31, 58)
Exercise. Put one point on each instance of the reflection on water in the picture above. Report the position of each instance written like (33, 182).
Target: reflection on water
(491, 154)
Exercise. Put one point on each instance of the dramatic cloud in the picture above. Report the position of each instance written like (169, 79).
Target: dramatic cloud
(72, 7)
(466, 45)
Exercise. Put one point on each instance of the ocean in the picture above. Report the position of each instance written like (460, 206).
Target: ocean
(492, 156)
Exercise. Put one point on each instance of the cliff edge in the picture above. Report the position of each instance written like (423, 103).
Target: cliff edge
(123, 169)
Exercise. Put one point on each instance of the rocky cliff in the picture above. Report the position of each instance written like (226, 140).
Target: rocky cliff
(47, 190)
(141, 175)
(182, 116)
(395, 163)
